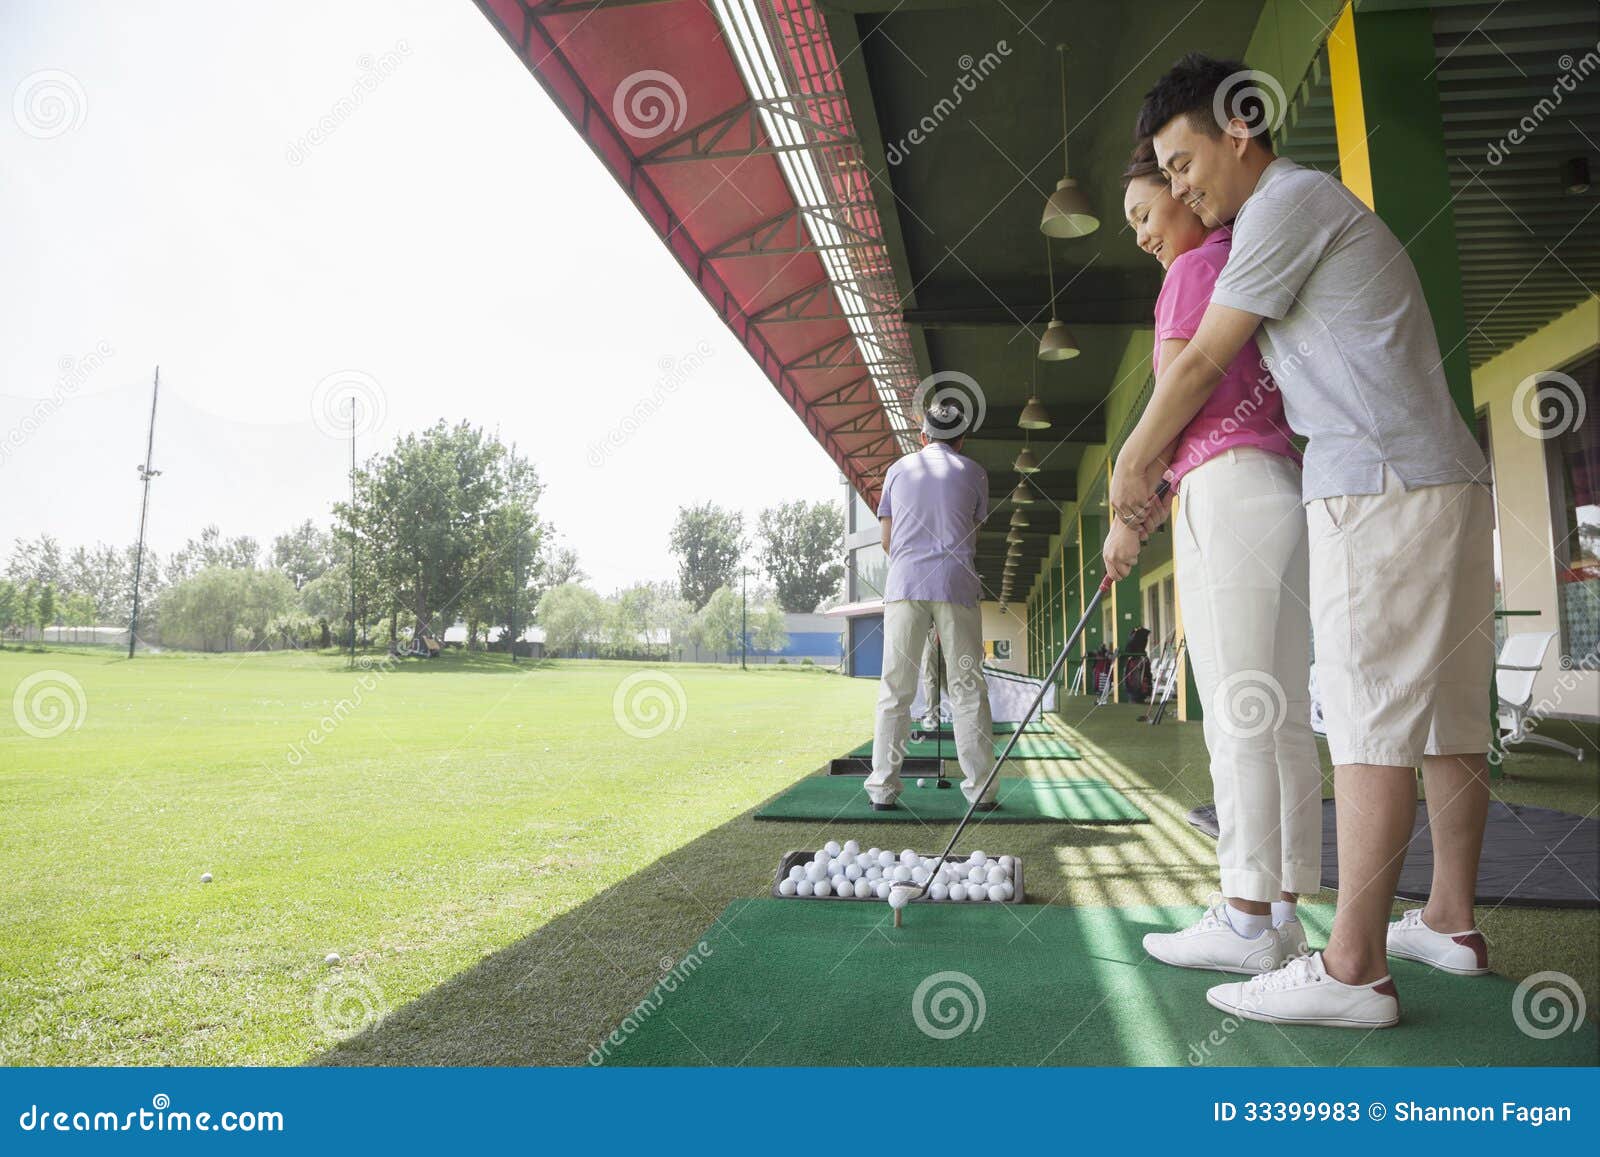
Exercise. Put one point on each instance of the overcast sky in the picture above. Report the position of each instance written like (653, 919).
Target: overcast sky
(451, 247)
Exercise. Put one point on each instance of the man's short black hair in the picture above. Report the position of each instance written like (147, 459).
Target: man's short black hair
(1190, 88)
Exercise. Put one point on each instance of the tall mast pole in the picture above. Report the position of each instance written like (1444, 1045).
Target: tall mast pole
(145, 474)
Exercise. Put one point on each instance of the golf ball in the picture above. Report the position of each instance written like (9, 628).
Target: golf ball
(939, 892)
(863, 889)
(797, 873)
(205, 877)
(804, 888)
(1009, 889)
(831, 847)
(997, 892)
(996, 874)
(816, 871)
(886, 860)
(331, 958)
(922, 783)
(977, 876)
(919, 875)
(833, 866)
(787, 888)
(852, 847)
(908, 857)
(958, 891)
(881, 890)
(1008, 863)
(977, 892)
(846, 858)
(978, 859)
(900, 897)
(902, 874)
(853, 871)
(822, 888)
(874, 874)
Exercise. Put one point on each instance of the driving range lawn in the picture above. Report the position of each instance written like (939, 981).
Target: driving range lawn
(413, 820)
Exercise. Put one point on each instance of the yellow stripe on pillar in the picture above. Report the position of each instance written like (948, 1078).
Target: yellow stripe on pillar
(1349, 111)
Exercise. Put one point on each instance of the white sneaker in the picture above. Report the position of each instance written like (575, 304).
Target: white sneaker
(1214, 943)
(1463, 953)
(1292, 936)
(1302, 992)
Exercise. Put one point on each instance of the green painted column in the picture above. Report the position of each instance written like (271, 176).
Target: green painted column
(1093, 533)
(1384, 73)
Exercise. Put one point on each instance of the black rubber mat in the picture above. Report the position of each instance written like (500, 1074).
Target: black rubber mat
(1532, 857)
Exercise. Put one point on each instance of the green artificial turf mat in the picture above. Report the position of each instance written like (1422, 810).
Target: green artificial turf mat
(783, 982)
(1028, 747)
(1022, 801)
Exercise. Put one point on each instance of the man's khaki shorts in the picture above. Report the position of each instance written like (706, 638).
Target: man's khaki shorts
(1402, 611)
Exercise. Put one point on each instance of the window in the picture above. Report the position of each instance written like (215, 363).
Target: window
(1573, 458)
(869, 570)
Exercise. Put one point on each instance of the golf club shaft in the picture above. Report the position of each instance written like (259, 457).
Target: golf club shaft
(1038, 702)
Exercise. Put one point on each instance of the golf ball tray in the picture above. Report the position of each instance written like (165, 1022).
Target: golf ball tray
(861, 765)
(958, 860)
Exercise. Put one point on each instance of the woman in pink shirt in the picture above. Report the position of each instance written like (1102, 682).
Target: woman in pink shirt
(1240, 557)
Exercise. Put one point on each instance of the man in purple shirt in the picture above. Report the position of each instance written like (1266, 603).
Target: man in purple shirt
(933, 503)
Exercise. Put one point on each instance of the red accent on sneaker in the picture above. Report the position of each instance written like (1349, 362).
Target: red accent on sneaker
(1386, 987)
(1474, 941)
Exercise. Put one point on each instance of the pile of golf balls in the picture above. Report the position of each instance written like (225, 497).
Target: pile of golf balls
(845, 871)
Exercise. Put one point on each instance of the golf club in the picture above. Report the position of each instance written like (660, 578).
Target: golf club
(903, 892)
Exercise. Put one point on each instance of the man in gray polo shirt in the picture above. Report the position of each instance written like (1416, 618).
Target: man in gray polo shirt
(932, 505)
(1400, 528)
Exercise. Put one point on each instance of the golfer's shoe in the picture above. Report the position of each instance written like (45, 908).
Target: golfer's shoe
(991, 805)
(1292, 939)
(1214, 943)
(1302, 992)
(1463, 953)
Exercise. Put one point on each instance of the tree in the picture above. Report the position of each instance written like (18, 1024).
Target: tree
(572, 617)
(304, 553)
(716, 626)
(709, 541)
(39, 561)
(802, 550)
(420, 513)
(102, 575)
(212, 550)
(220, 608)
(768, 630)
(10, 607)
(44, 610)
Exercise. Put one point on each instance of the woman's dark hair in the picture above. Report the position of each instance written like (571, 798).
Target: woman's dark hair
(1190, 88)
(1143, 164)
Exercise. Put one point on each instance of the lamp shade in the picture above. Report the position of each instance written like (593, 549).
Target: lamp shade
(1022, 495)
(1026, 463)
(1057, 344)
(1018, 518)
(1068, 213)
(1014, 537)
(1034, 416)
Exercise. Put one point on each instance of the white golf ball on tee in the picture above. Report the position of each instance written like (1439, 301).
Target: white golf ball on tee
(900, 897)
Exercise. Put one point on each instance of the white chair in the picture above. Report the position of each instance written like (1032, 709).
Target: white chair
(1521, 660)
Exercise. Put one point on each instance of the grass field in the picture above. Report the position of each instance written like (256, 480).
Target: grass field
(506, 860)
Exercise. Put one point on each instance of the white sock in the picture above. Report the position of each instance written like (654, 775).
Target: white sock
(1283, 911)
(1247, 925)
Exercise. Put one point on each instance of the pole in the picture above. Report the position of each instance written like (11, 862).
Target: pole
(352, 531)
(744, 630)
(145, 474)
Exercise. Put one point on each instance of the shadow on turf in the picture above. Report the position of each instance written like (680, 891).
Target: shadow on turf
(552, 996)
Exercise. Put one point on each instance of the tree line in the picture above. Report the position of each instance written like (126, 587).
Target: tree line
(442, 528)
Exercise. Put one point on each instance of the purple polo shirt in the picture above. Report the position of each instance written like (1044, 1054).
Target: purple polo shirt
(937, 499)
